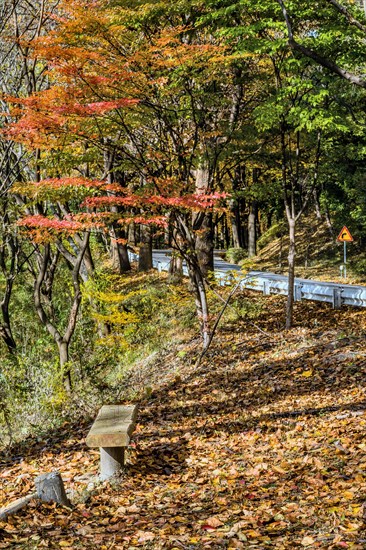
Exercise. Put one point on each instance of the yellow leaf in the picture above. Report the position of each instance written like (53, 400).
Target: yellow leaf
(349, 495)
(180, 519)
(350, 527)
(307, 374)
(253, 534)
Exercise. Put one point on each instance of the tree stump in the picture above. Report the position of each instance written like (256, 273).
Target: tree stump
(50, 488)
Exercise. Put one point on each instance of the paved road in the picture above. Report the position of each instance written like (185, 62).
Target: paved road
(270, 283)
(163, 256)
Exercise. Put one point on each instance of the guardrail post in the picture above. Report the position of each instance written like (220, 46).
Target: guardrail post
(220, 278)
(266, 289)
(337, 297)
(297, 292)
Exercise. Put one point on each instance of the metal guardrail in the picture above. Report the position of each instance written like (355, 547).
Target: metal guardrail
(306, 289)
(270, 283)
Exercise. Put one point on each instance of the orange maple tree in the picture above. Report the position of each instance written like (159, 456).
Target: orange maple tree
(141, 104)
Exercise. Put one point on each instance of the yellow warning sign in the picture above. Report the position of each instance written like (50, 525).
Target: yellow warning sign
(345, 236)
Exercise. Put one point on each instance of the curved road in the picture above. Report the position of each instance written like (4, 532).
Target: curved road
(270, 283)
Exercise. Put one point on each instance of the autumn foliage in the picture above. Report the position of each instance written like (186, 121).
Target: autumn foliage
(268, 453)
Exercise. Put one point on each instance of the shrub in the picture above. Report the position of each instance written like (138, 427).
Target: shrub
(359, 266)
(235, 255)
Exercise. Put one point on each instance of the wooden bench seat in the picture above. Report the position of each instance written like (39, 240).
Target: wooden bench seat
(111, 432)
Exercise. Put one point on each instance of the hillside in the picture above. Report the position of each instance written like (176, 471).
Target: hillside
(261, 447)
(319, 256)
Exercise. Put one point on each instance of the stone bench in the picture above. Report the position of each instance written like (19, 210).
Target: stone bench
(111, 432)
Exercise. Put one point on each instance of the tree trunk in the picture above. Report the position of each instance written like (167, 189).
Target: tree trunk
(87, 266)
(88, 261)
(7, 336)
(124, 260)
(252, 232)
(317, 205)
(217, 232)
(237, 206)
(5, 329)
(145, 254)
(176, 263)
(235, 223)
(168, 234)
(197, 282)
(291, 273)
(202, 225)
(119, 253)
(175, 270)
(63, 350)
(8, 266)
(204, 245)
(198, 285)
(132, 233)
(226, 233)
(62, 342)
(328, 221)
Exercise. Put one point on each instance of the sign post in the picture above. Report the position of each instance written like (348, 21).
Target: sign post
(345, 237)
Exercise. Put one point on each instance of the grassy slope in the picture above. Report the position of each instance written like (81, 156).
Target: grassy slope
(262, 447)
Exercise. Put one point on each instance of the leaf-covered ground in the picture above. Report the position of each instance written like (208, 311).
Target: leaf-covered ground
(262, 447)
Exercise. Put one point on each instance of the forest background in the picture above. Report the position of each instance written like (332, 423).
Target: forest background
(188, 125)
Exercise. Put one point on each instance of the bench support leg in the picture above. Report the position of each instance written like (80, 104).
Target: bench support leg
(111, 461)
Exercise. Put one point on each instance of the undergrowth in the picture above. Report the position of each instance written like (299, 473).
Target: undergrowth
(128, 325)
(124, 321)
